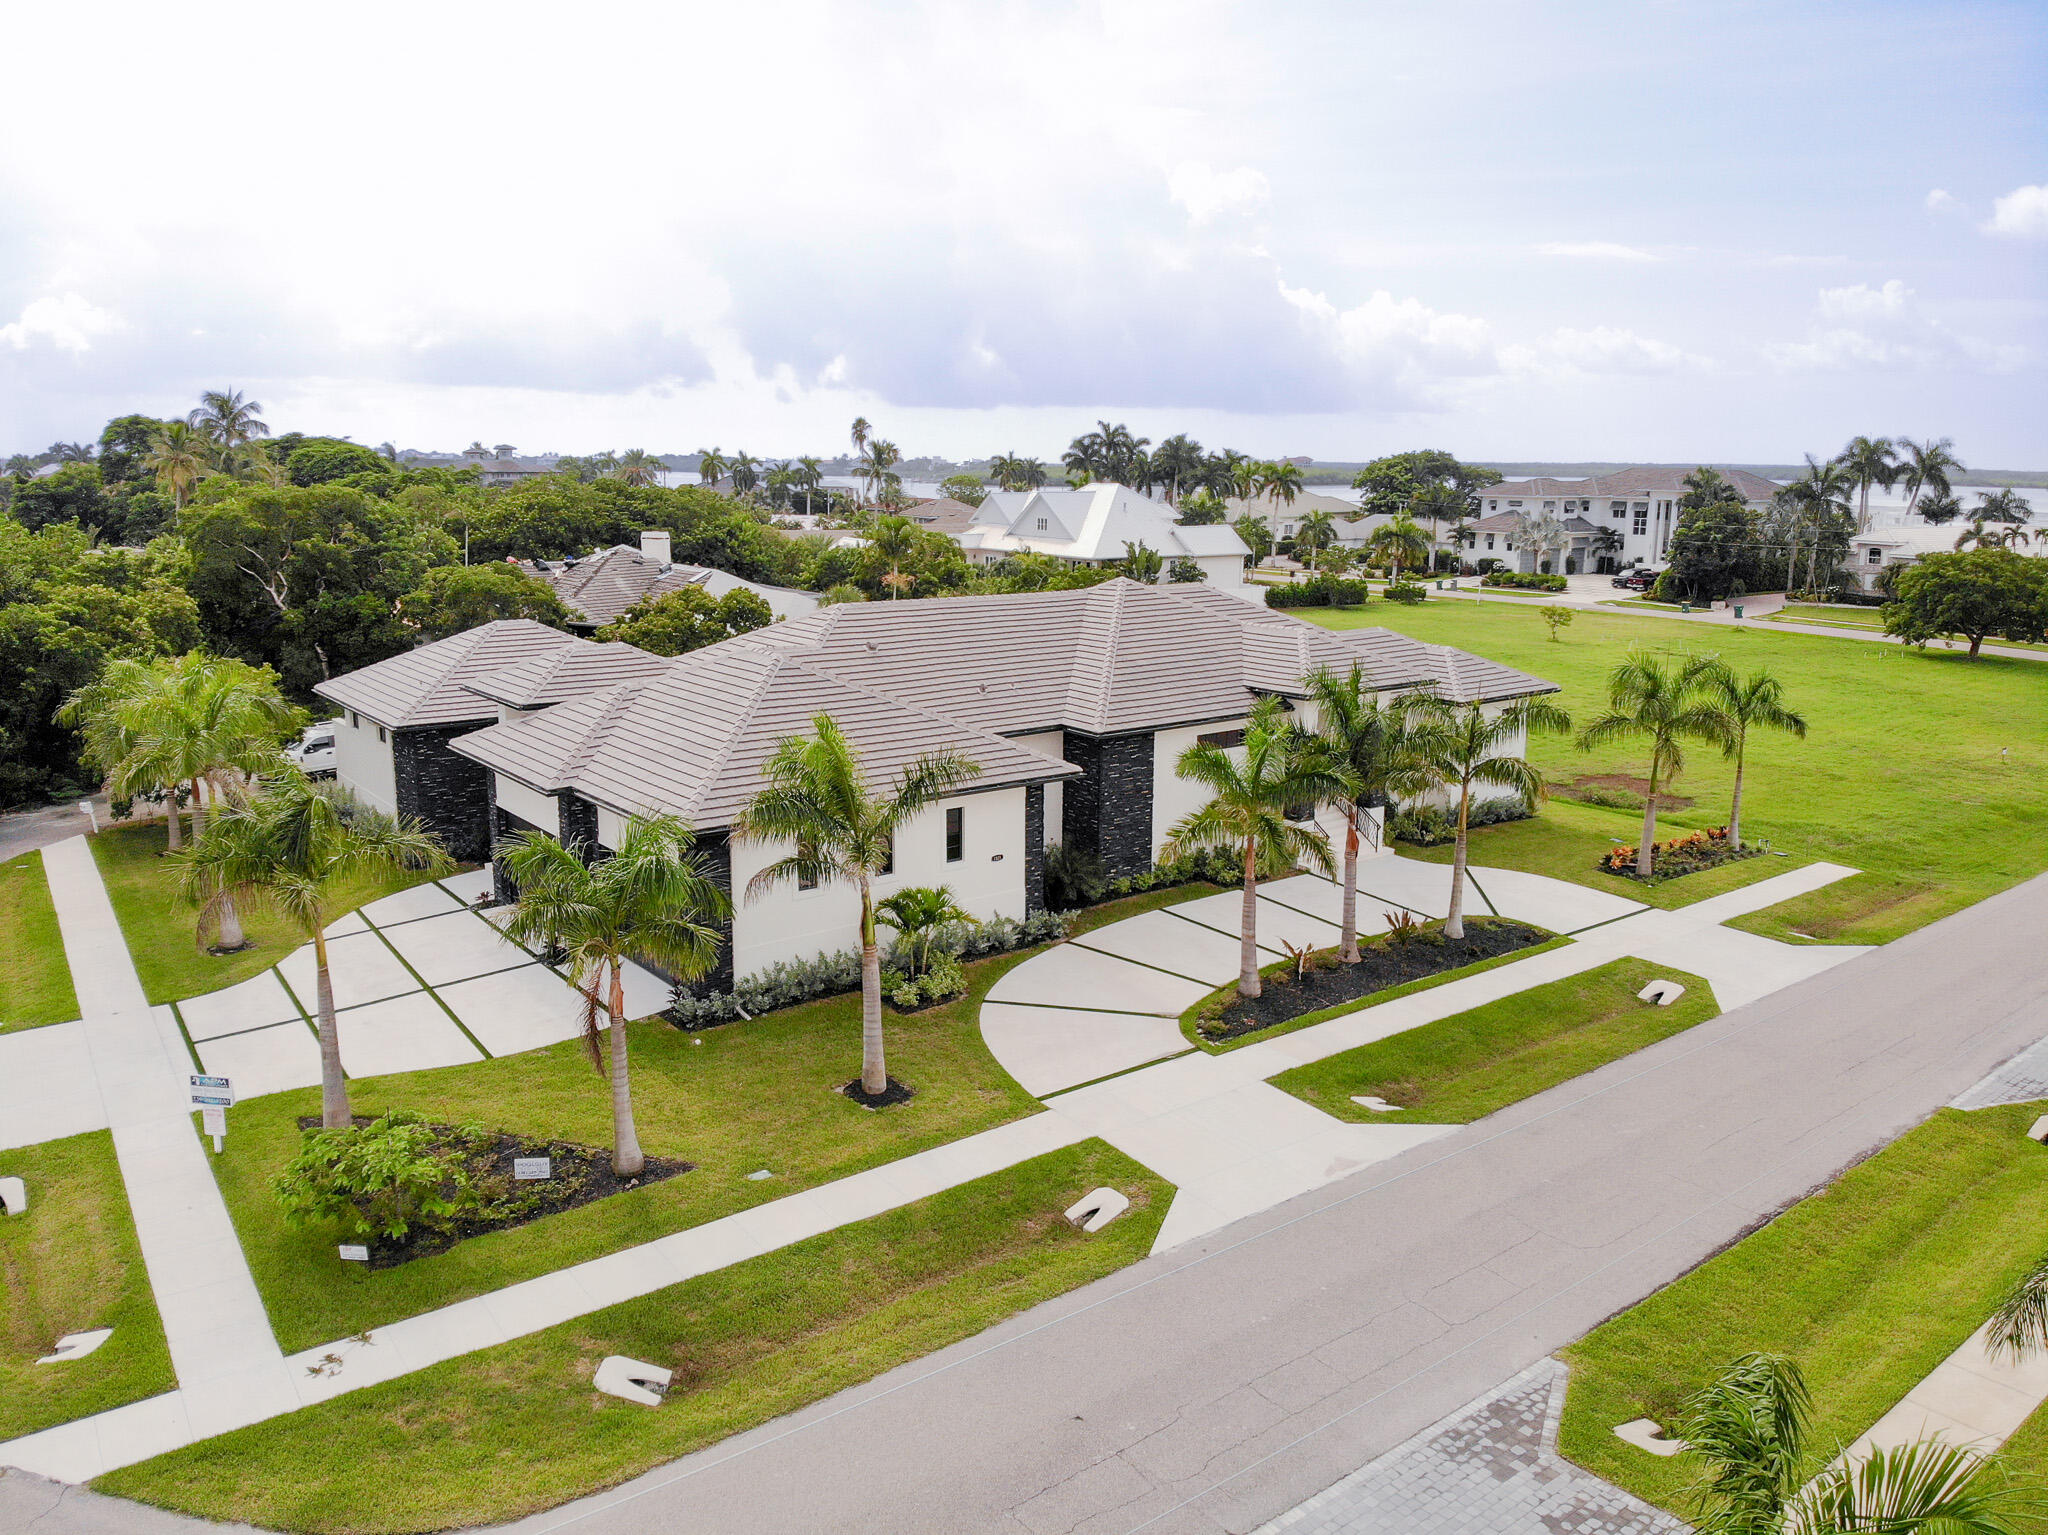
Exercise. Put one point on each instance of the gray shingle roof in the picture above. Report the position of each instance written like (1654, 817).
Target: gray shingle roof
(566, 672)
(430, 685)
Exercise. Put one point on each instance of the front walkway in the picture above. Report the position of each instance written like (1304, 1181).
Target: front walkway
(1093, 1025)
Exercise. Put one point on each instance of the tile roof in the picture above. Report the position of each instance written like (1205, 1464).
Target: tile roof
(1649, 480)
(566, 672)
(430, 685)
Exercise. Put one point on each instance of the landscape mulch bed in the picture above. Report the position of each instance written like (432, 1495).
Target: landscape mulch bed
(580, 1175)
(1677, 865)
(1385, 964)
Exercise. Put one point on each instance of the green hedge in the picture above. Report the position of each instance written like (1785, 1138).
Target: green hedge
(1317, 592)
(1528, 581)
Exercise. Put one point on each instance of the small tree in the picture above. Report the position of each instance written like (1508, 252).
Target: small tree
(1982, 594)
(1142, 563)
(452, 598)
(681, 621)
(1556, 617)
(1369, 742)
(817, 797)
(917, 913)
(1758, 702)
(1184, 571)
(1398, 543)
(1668, 708)
(653, 899)
(1249, 813)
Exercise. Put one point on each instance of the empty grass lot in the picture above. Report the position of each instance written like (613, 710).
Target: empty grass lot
(751, 1095)
(35, 982)
(513, 1429)
(72, 1264)
(1901, 774)
(1868, 1285)
(1463, 1068)
(159, 926)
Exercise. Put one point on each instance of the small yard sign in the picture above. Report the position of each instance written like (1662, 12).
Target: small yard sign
(533, 1168)
(355, 1254)
(211, 1092)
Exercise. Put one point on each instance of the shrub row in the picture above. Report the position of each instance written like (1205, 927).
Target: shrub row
(1528, 581)
(1318, 592)
(1434, 825)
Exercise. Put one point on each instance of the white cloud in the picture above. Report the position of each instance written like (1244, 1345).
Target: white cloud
(1206, 192)
(1595, 250)
(1606, 349)
(68, 323)
(1400, 352)
(2023, 212)
(1885, 329)
(1939, 201)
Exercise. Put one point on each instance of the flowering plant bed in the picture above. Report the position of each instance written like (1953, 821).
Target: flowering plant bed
(406, 1188)
(1688, 854)
(1292, 991)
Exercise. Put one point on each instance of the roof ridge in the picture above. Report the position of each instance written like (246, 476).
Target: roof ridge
(609, 703)
(775, 660)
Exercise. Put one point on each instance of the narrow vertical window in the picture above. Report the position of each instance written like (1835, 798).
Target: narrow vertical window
(956, 834)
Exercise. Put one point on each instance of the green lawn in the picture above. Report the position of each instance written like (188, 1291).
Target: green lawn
(732, 1100)
(1465, 1067)
(1828, 613)
(1900, 774)
(35, 982)
(72, 1264)
(159, 926)
(509, 1430)
(1868, 1284)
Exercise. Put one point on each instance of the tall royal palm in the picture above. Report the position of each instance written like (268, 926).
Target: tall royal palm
(877, 467)
(1252, 791)
(1455, 748)
(1929, 465)
(180, 457)
(862, 428)
(1869, 461)
(1315, 533)
(1667, 707)
(1821, 499)
(710, 466)
(1279, 484)
(291, 847)
(1753, 703)
(1747, 1431)
(227, 420)
(818, 798)
(1368, 741)
(653, 899)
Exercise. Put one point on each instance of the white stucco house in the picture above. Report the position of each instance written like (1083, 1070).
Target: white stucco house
(1093, 526)
(1636, 509)
(1075, 706)
(1874, 552)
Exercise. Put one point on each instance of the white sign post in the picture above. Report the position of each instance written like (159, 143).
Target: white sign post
(86, 806)
(212, 1096)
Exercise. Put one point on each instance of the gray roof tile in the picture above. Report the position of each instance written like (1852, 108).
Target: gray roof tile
(430, 685)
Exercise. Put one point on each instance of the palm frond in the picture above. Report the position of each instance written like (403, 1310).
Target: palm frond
(1924, 1488)
(2020, 1324)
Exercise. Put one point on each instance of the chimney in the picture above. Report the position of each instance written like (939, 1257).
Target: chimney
(654, 543)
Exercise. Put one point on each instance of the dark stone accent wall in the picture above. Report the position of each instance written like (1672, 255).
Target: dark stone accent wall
(1108, 809)
(579, 823)
(504, 824)
(450, 795)
(1034, 848)
(717, 855)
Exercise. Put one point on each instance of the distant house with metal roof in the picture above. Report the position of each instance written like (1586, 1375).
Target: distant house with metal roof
(1098, 525)
(598, 587)
(1075, 705)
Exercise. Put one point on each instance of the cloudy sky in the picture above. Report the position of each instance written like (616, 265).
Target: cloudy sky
(1633, 230)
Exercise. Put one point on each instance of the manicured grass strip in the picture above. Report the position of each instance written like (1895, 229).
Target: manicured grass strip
(159, 927)
(732, 1100)
(1190, 1018)
(35, 982)
(1465, 1067)
(1868, 1284)
(72, 1264)
(1864, 908)
(517, 1428)
(1901, 772)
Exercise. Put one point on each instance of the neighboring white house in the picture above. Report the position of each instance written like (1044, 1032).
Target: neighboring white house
(1094, 526)
(1637, 506)
(598, 587)
(1872, 553)
(1075, 706)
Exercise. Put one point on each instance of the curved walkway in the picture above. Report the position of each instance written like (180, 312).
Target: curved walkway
(1092, 1025)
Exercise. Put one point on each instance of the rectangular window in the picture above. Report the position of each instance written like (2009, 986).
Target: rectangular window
(353, 722)
(1224, 738)
(806, 882)
(1489, 540)
(1618, 508)
(1875, 556)
(1640, 512)
(1041, 524)
(956, 834)
(380, 733)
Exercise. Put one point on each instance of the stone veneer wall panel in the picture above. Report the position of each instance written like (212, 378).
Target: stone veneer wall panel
(449, 794)
(1108, 810)
(1034, 848)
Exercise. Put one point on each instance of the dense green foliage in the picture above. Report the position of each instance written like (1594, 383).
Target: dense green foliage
(1985, 593)
(452, 598)
(676, 622)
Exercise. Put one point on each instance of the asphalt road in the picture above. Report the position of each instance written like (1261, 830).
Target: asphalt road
(23, 830)
(1214, 1387)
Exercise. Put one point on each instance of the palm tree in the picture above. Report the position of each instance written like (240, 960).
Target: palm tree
(1758, 702)
(744, 470)
(861, 429)
(179, 457)
(895, 540)
(1668, 708)
(1821, 499)
(652, 899)
(1928, 465)
(1458, 747)
(1251, 795)
(72, 452)
(1142, 563)
(877, 465)
(917, 913)
(2006, 505)
(226, 419)
(1869, 461)
(1279, 484)
(1939, 508)
(710, 466)
(291, 848)
(818, 797)
(1177, 465)
(1398, 541)
(639, 467)
(1748, 1428)
(1257, 536)
(1368, 742)
(1317, 531)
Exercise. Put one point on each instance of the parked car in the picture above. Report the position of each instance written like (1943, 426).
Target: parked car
(313, 752)
(1637, 580)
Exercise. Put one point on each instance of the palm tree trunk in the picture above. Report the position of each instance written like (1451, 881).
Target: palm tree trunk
(874, 1069)
(1735, 806)
(231, 936)
(172, 842)
(1348, 953)
(1249, 983)
(627, 1158)
(1454, 921)
(334, 1109)
(198, 811)
(1645, 858)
